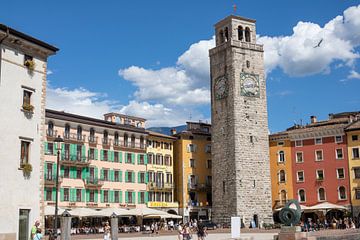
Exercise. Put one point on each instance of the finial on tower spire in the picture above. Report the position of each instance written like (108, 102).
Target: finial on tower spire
(234, 6)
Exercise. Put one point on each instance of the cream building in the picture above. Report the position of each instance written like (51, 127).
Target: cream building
(160, 170)
(23, 62)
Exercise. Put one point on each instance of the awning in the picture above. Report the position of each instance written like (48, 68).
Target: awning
(326, 206)
(88, 212)
(151, 213)
(50, 210)
(292, 206)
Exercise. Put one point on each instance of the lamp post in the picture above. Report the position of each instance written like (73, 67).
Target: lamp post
(58, 142)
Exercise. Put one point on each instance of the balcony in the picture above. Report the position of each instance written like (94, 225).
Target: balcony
(93, 182)
(160, 186)
(75, 159)
(51, 134)
(50, 179)
(106, 142)
(201, 187)
(123, 144)
(74, 137)
(93, 140)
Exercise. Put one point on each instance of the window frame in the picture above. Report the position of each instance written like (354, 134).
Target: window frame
(302, 156)
(318, 176)
(341, 139)
(318, 194)
(316, 156)
(337, 173)
(297, 176)
(342, 154)
(354, 137)
(318, 143)
(279, 176)
(339, 193)
(281, 156)
(358, 153)
(299, 141)
(299, 197)
(26, 153)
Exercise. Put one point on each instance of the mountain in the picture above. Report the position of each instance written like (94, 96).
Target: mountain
(166, 130)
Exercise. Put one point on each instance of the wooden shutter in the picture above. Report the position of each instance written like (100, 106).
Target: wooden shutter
(126, 176)
(120, 176)
(96, 154)
(83, 195)
(133, 158)
(139, 193)
(133, 177)
(138, 177)
(133, 197)
(96, 194)
(111, 196)
(120, 157)
(61, 194)
(120, 197)
(53, 195)
(53, 168)
(87, 195)
(102, 196)
(138, 159)
(46, 150)
(146, 197)
(126, 197)
(101, 155)
(145, 159)
(83, 152)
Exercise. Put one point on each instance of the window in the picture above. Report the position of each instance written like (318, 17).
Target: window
(339, 153)
(318, 141)
(126, 140)
(66, 172)
(24, 222)
(354, 137)
(105, 137)
(92, 196)
(300, 176)
(282, 176)
(208, 148)
(283, 196)
(298, 143)
(302, 196)
(319, 155)
(132, 141)
(141, 197)
(27, 99)
(129, 177)
(106, 155)
(116, 157)
(106, 174)
(209, 164)
(158, 159)
(338, 139)
(141, 159)
(281, 156)
(78, 195)
(340, 173)
(78, 152)
(142, 177)
(192, 163)
(142, 145)
(117, 196)
(355, 153)
(78, 173)
(150, 158)
(281, 143)
(66, 194)
(342, 193)
(116, 176)
(92, 153)
(357, 193)
(321, 194)
(79, 133)
(48, 194)
(247, 34)
(92, 135)
(24, 152)
(240, 33)
(50, 149)
(299, 157)
(357, 173)
(128, 158)
(116, 139)
(130, 197)
(191, 148)
(67, 131)
(106, 196)
(169, 178)
(50, 131)
(319, 175)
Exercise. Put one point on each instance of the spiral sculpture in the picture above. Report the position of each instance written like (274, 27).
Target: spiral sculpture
(289, 216)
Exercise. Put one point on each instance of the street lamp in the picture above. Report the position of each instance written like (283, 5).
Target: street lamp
(58, 142)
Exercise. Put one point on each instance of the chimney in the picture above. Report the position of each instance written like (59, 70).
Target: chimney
(313, 119)
(173, 131)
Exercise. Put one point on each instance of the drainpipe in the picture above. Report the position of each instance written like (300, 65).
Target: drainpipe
(1, 41)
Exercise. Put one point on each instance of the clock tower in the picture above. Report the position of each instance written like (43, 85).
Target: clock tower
(240, 146)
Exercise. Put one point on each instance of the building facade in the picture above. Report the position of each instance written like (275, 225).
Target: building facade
(241, 167)
(192, 163)
(281, 169)
(160, 170)
(102, 162)
(23, 61)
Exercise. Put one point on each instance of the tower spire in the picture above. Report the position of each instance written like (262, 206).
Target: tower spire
(234, 7)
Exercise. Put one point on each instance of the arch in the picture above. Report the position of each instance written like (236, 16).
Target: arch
(240, 33)
(50, 131)
(116, 138)
(92, 135)
(132, 141)
(342, 193)
(282, 176)
(105, 137)
(221, 37)
(79, 133)
(126, 140)
(281, 156)
(247, 34)
(302, 195)
(321, 194)
(283, 196)
(226, 34)
(67, 131)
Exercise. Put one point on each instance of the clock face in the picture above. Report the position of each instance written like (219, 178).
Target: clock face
(220, 87)
(249, 84)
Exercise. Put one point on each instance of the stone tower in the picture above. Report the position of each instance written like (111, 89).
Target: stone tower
(240, 145)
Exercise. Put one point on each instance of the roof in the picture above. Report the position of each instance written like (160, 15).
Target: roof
(124, 116)
(234, 17)
(61, 115)
(28, 38)
(156, 134)
(353, 126)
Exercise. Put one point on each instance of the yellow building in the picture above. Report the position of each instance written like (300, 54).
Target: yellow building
(281, 169)
(160, 171)
(192, 163)
(353, 142)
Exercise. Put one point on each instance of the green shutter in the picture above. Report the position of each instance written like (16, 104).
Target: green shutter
(96, 173)
(96, 194)
(73, 172)
(62, 149)
(45, 170)
(46, 150)
(45, 194)
(120, 176)
(84, 172)
(133, 158)
(62, 170)
(72, 194)
(54, 169)
(112, 156)
(112, 175)
(96, 154)
(87, 195)
(120, 197)
(102, 196)
(146, 197)
(111, 195)
(139, 197)
(120, 157)
(102, 174)
(83, 150)
(72, 151)
(125, 160)
(138, 159)
(61, 194)
(133, 177)
(53, 195)
(133, 197)
(145, 159)
(126, 176)
(101, 155)
(146, 177)
(83, 195)
(126, 197)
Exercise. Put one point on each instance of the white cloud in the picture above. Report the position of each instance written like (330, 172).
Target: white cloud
(49, 72)
(311, 48)
(353, 75)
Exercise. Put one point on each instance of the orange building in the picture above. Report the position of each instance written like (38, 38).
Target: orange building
(280, 167)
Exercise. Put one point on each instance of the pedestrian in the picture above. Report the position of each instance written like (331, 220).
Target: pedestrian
(107, 231)
(187, 232)
(201, 230)
(180, 231)
(38, 235)
(34, 228)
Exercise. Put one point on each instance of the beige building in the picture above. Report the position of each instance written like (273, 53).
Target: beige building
(23, 69)
(160, 171)
(102, 162)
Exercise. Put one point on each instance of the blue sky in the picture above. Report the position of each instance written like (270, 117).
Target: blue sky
(149, 58)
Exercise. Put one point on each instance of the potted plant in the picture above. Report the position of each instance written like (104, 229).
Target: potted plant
(30, 64)
(28, 107)
(27, 169)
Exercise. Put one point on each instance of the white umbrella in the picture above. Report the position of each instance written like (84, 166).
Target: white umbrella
(83, 212)
(326, 206)
(50, 210)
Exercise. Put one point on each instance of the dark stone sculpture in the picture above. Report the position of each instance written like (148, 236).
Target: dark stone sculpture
(289, 216)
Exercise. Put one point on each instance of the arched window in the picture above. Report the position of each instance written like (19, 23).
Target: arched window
(50, 131)
(105, 137)
(126, 141)
(282, 176)
(247, 34)
(302, 196)
(226, 34)
(342, 193)
(116, 139)
(283, 197)
(221, 36)
(281, 157)
(79, 133)
(132, 141)
(321, 194)
(240, 33)
(67, 131)
(142, 142)
(92, 135)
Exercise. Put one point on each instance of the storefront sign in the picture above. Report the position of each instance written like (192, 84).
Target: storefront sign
(162, 204)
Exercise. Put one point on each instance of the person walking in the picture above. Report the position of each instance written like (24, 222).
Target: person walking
(187, 232)
(201, 230)
(107, 231)
(38, 235)
(180, 231)
(33, 229)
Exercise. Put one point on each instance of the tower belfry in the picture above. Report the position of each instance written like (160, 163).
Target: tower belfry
(240, 150)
